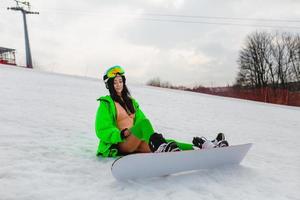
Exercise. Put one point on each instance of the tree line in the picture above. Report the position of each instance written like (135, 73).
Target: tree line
(269, 59)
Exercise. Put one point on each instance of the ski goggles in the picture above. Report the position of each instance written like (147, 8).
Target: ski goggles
(113, 72)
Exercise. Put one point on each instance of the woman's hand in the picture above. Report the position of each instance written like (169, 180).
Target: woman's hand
(125, 133)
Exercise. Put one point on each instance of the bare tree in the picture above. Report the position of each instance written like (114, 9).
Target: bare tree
(269, 59)
(293, 46)
(254, 60)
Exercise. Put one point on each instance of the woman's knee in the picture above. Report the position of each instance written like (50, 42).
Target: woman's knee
(143, 147)
(130, 145)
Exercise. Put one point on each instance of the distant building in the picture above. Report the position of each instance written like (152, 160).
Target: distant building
(7, 56)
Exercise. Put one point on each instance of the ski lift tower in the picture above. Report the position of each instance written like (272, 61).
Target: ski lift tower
(24, 7)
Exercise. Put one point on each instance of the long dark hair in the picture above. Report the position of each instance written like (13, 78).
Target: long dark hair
(126, 103)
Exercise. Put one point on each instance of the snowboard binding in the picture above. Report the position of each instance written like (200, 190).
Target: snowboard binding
(158, 144)
(203, 143)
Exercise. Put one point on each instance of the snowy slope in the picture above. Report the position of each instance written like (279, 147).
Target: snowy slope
(48, 144)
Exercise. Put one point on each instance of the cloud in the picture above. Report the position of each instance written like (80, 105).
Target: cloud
(86, 37)
(166, 3)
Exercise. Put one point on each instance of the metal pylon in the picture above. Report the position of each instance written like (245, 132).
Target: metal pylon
(24, 7)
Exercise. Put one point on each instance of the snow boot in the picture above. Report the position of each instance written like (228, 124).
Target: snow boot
(158, 144)
(203, 143)
(220, 141)
(219, 138)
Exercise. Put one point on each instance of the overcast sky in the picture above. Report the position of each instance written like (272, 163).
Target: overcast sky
(185, 42)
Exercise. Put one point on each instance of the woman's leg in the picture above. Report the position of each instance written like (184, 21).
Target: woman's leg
(130, 145)
(133, 144)
(138, 140)
(143, 148)
(143, 131)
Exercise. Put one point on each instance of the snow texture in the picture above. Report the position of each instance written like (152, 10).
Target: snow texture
(48, 143)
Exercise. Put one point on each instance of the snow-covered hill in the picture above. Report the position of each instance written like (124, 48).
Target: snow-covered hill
(48, 144)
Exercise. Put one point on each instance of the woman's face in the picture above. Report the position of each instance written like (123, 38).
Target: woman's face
(118, 84)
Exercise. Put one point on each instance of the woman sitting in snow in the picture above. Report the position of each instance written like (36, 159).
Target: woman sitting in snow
(123, 128)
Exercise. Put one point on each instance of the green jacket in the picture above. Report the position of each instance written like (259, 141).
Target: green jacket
(106, 126)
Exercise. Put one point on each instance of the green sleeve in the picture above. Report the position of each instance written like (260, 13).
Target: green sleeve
(105, 126)
(139, 115)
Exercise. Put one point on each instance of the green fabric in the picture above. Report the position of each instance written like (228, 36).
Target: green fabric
(106, 127)
(109, 134)
(142, 130)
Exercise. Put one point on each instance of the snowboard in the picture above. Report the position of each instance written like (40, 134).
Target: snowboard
(147, 165)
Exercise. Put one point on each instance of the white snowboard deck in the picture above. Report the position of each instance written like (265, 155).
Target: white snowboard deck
(146, 165)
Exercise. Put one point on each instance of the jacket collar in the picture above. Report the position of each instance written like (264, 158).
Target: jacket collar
(106, 98)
